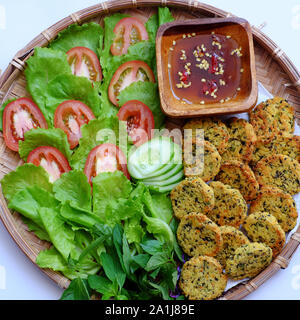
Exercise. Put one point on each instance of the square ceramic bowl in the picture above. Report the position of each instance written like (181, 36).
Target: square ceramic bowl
(192, 54)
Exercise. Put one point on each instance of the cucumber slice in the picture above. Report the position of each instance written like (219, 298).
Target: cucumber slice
(177, 168)
(156, 156)
(178, 177)
(165, 189)
(175, 161)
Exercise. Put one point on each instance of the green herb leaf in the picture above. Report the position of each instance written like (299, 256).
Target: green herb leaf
(78, 290)
(103, 286)
(112, 268)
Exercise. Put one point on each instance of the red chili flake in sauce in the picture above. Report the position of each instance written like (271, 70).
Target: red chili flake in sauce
(184, 77)
(214, 64)
(209, 86)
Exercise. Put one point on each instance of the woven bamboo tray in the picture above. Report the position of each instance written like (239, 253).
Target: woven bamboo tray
(274, 70)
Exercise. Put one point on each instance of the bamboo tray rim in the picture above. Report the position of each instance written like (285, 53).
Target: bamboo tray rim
(17, 66)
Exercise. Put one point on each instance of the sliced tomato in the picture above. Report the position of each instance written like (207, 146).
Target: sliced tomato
(85, 63)
(105, 158)
(70, 116)
(19, 117)
(51, 159)
(140, 121)
(127, 73)
(128, 31)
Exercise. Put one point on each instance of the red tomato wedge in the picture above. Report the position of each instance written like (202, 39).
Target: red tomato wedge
(105, 158)
(128, 31)
(85, 63)
(127, 73)
(51, 159)
(19, 117)
(140, 121)
(70, 116)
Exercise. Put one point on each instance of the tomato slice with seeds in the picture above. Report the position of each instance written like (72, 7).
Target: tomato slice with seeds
(140, 121)
(128, 31)
(128, 73)
(70, 116)
(105, 158)
(19, 117)
(85, 63)
(51, 159)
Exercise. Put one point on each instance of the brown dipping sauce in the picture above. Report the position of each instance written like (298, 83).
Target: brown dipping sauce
(205, 68)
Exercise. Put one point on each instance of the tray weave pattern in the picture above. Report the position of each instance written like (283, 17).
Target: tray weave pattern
(274, 70)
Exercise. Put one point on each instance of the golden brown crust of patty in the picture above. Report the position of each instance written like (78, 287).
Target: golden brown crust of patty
(215, 131)
(230, 207)
(274, 117)
(242, 141)
(239, 176)
(263, 227)
(232, 239)
(202, 278)
(204, 162)
(192, 195)
(289, 146)
(248, 261)
(278, 203)
(199, 236)
(279, 171)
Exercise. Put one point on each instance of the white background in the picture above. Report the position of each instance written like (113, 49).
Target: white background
(21, 21)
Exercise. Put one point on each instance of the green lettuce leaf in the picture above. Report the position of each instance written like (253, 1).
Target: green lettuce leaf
(89, 35)
(146, 92)
(155, 21)
(144, 51)
(45, 65)
(73, 186)
(152, 27)
(78, 217)
(164, 16)
(61, 236)
(44, 137)
(160, 206)
(52, 259)
(69, 87)
(24, 176)
(109, 36)
(133, 229)
(38, 231)
(96, 132)
(110, 192)
(30, 200)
